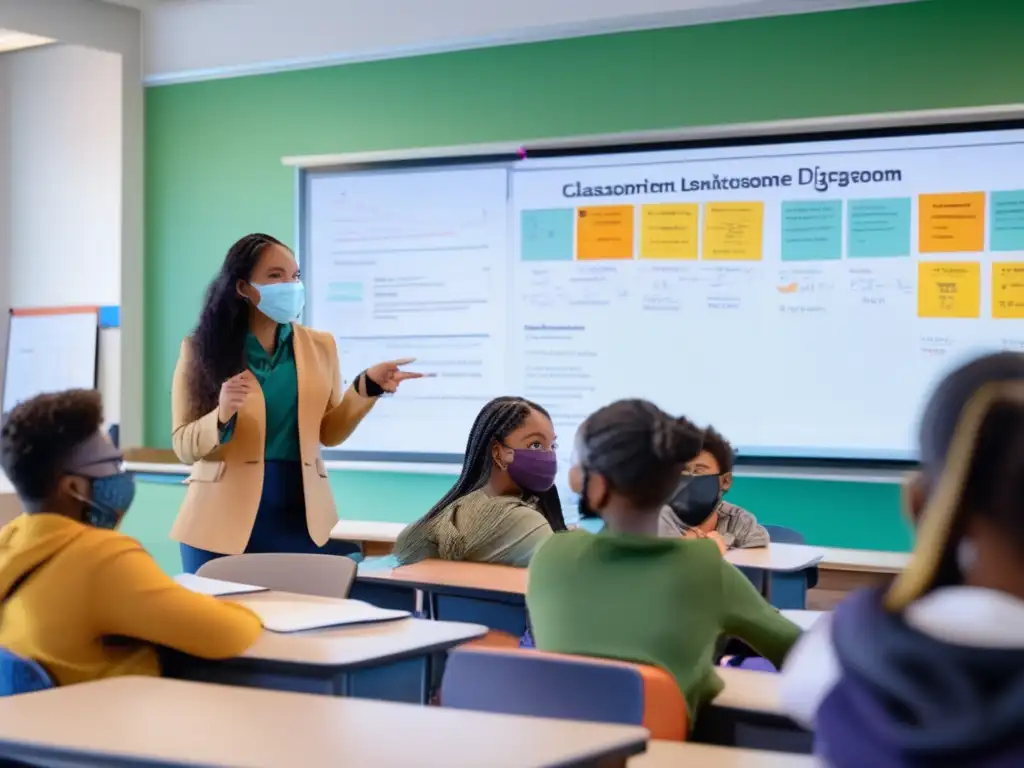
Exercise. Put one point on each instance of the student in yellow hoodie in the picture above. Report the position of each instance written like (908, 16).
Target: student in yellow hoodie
(83, 600)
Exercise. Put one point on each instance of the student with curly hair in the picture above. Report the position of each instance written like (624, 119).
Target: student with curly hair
(69, 582)
(698, 508)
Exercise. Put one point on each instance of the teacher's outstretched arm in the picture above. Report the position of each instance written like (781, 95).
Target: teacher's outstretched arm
(344, 412)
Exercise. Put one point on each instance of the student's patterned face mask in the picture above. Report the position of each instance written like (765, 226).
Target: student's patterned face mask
(112, 489)
(111, 497)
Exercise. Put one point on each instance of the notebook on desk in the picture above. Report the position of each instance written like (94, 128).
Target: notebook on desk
(294, 616)
(215, 587)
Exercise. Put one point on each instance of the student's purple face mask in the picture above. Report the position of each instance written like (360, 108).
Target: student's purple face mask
(533, 471)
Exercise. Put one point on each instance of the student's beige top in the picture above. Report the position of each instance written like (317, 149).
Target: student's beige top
(477, 528)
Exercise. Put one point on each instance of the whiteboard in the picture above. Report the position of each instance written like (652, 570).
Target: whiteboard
(49, 353)
(802, 295)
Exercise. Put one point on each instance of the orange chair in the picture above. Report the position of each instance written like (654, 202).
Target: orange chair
(495, 638)
(528, 682)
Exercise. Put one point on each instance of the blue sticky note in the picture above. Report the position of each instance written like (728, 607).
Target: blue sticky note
(812, 230)
(1006, 221)
(878, 228)
(547, 235)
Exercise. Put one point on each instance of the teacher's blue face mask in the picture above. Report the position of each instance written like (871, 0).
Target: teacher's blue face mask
(281, 302)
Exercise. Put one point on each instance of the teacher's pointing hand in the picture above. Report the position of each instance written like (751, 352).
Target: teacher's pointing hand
(389, 375)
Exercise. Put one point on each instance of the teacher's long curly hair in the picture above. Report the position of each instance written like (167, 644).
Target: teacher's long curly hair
(218, 341)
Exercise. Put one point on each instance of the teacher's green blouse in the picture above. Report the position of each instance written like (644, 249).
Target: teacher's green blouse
(275, 371)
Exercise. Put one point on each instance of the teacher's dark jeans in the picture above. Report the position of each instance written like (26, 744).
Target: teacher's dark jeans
(280, 521)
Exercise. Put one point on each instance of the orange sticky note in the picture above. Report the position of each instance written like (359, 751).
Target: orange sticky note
(952, 223)
(1008, 290)
(949, 289)
(604, 232)
(669, 231)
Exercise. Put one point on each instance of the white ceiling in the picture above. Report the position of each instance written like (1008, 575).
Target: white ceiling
(198, 39)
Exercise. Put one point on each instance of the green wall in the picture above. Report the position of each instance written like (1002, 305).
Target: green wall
(213, 167)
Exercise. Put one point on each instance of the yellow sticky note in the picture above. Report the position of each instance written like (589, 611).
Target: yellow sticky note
(949, 289)
(1008, 290)
(951, 223)
(733, 231)
(668, 231)
(604, 232)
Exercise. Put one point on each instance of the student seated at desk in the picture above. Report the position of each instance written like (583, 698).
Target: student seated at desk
(931, 672)
(625, 593)
(698, 508)
(504, 503)
(81, 599)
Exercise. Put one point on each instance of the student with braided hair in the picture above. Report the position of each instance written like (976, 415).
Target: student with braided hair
(626, 594)
(504, 503)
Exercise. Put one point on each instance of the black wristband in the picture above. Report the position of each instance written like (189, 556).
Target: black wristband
(371, 387)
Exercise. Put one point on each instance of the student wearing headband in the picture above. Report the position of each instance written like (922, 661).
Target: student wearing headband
(931, 671)
(69, 582)
(698, 507)
(625, 593)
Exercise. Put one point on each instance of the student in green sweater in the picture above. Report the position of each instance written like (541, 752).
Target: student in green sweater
(626, 594)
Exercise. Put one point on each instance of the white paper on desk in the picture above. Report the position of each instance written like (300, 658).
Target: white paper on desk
(803, 619)
(215, 587)
(295, 616)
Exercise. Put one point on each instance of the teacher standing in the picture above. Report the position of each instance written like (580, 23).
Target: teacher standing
(254, 396)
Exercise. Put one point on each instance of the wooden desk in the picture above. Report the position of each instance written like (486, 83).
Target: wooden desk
(372, 538)
(156, 721)
(430, 574)
(780, 560)
(677, 754)
(865, 560)
(783, 558)
(748, 713)
(842, 571)
(390, 660)
(749, 690)
(455, 591)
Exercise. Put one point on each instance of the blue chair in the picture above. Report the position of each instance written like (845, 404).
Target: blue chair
(21, 675)
(789, 590)
(520, 682)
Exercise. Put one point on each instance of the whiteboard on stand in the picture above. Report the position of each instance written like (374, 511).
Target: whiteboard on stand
(49, 351)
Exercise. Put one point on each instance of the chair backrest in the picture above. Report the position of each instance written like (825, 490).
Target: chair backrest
(528, 682)
(21, 675)
(789, 590)
(783, 535)
(321, 575)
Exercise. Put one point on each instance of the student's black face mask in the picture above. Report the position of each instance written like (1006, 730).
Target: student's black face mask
(696, 498)
(586, 513)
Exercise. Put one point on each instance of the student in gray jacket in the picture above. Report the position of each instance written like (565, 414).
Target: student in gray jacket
(697, 509)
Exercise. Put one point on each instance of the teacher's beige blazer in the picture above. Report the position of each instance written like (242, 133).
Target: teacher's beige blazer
(226, 481)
